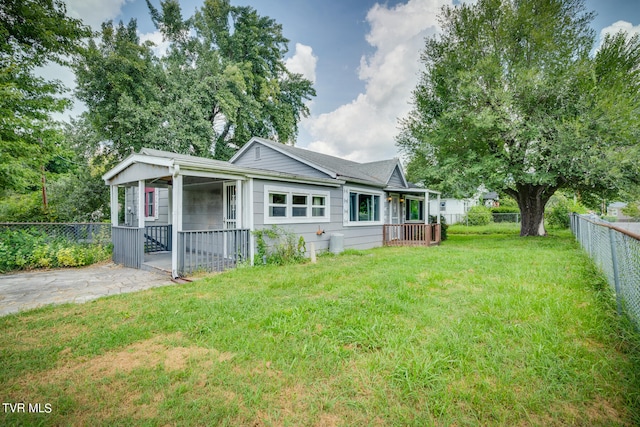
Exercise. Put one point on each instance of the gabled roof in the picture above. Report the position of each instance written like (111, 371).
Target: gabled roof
(373, 173)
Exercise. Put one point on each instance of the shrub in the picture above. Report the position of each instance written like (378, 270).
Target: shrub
(479, 215)
(27, 249)
(443, 226)
(558, 210)
(278, 246)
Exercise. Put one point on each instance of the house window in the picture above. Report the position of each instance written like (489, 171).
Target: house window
(414, 210)
(278, 205)
(364, 207)
(293, 205)
(443, 206)
(150, 203)
(299, 207)
(318, 206)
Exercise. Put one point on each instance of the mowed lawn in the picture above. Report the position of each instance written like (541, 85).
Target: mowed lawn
(484, 330)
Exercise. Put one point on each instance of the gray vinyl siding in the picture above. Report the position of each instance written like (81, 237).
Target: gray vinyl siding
(355, 237)
(131, 200)
(273, 160)
(396, 179)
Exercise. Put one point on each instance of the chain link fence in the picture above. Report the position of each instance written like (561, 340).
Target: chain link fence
(89, 232)
(616, 252)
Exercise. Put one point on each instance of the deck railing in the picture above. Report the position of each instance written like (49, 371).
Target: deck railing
(157, 238)
(211, 250)
(128, 246)
(411, 234)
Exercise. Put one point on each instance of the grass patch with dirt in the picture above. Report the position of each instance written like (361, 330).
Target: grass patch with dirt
(483, 330)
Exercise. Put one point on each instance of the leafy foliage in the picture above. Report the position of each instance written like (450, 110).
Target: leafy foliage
(278, 246)
(221, 81)
(32, 33)
(478, 215)
(511, 98)
(27, 249)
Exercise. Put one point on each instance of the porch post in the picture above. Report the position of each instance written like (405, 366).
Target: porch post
(141, 196)
(176, 215)
(239, 204)
(438, 216)
(114, 205)
(427, 208)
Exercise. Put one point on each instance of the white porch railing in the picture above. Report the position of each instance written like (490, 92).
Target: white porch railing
(411, 234)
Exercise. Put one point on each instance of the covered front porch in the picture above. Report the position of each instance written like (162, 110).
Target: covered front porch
(176, 215)
(410, 221)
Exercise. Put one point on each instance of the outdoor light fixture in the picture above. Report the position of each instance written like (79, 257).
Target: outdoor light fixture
(401, 200)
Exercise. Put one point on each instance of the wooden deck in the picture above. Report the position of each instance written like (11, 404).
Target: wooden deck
(411, 234)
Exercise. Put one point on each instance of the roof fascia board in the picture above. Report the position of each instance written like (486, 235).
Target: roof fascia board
(136, 158)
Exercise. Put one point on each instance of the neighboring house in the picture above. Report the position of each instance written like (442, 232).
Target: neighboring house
(203, 211)
(615, 210)
(453, 210)
(491, 199)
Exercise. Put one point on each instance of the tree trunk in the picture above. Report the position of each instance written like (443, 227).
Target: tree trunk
(531, 200)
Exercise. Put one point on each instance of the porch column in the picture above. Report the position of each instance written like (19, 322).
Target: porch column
(427, 208)
(141, 200)
(239, 204)
(114, 205)
(176, 215)
(438, 216)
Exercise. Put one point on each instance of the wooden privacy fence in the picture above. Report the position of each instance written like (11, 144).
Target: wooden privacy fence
(211, 250)
(411, 234)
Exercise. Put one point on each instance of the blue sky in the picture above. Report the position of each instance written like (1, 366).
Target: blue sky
(361, 54)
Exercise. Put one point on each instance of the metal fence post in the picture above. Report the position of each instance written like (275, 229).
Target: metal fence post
(616, 272)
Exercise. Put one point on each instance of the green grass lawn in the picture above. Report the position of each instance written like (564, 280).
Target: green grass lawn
(483, 330)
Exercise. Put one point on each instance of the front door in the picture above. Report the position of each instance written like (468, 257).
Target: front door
(230, 213)
(395, 209)
(230, 206)
(395, 216)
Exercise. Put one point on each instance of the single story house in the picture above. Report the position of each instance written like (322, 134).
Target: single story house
(201, 212)
(453, 210)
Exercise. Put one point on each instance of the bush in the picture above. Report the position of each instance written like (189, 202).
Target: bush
(278, 246)
(28, 249)
(443, 226)
(478, 215)
(558, 210)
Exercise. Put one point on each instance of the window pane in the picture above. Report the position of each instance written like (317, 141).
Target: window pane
(299, 200)
(353, 206)
(376, 208)
(277, 211)
(317, 212)
(278, 199)
(318, 200)
(365, 207)
(299, 211)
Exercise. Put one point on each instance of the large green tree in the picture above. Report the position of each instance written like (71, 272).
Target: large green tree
(513, 97)
(32, 33)
(221, 81)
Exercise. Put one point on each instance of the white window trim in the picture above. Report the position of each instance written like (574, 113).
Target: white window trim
(406, 206)
(289, 218)
(346, 219)
(156, 199)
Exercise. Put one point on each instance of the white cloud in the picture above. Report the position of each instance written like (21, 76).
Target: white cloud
(620, 26)
(94, 12)
(303, 62)
(364, 129)
(160, 45)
